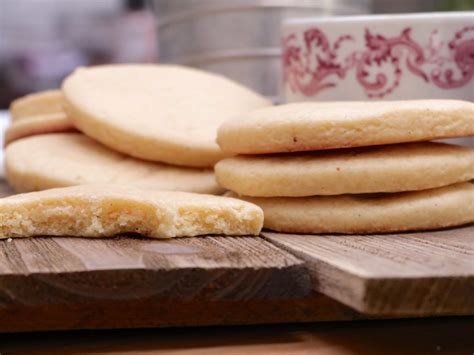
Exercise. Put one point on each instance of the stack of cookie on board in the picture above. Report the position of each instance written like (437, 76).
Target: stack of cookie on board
(135, 130)
(352, 167)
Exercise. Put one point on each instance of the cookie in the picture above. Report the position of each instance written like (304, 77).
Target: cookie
(34, 125)
(156, 112)
(442, 207)
(40, 103)
(108, 210)
(389, 168)
(329, 125)
(66, 159)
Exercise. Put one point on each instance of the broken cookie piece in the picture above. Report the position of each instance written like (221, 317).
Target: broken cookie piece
(108, 210)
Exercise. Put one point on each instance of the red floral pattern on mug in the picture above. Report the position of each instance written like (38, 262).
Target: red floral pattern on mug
(380, 66)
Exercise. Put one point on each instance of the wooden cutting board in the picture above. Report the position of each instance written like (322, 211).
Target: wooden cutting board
(79, 283)
(426, 273)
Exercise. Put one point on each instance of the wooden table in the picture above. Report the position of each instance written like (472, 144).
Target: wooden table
(129, 282)
(308, 267)
(453, 336)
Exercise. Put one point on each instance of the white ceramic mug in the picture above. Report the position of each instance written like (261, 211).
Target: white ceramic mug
(379, 57)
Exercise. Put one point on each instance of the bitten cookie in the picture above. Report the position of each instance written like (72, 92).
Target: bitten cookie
(107, 210)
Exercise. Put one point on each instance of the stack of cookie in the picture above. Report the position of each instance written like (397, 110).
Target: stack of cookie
(352, 167)
(37, 113)
(147, 126)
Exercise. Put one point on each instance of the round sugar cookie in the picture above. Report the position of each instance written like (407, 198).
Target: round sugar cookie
(34, 125)
(156, 112)
(329, 125)
(67, 159)
(389, 168)
(442, 207)
(40, 103)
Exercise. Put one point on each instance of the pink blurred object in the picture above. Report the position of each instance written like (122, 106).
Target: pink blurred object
(379, 57)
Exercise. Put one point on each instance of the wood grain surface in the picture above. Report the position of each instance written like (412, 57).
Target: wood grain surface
(129, 282)
(427, 273)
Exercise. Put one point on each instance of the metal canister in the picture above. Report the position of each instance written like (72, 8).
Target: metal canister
(236, 38)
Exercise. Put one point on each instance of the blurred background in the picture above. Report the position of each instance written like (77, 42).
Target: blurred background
(41, 41)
